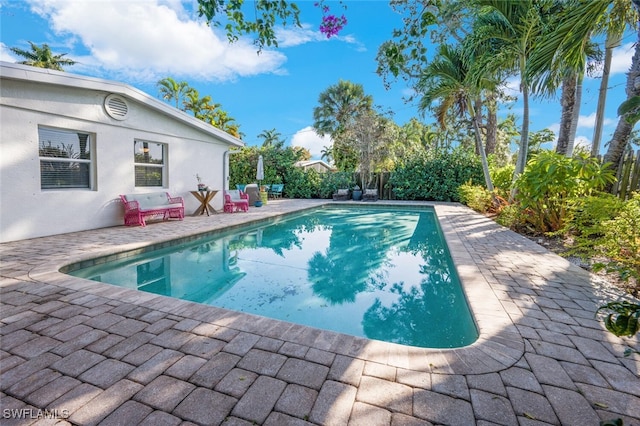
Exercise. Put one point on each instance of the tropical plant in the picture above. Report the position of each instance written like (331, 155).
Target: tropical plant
(435, 177)
(631, 110)
(621, 15)
(476, 197)
(507, 30)
(338, 106)
(272, 138)
(171, 90)
(551, 181)
(621, 242)
(42, 57)
(450, 79)
(622, 319)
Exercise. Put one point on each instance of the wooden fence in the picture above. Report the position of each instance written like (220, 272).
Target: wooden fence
(628, 175)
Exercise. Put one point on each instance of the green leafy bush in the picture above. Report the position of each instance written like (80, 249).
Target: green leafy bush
(435, 177)
(331, 182)
(511, 216)
(621, 241)
(587, 223)
(476, 197)
(302, 183)
(502, 178)
(551, 180)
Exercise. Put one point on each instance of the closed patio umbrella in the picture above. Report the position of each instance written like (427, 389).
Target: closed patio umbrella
(260, 171)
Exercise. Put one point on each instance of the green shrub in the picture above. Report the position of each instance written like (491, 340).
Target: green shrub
(331, 182)
(476, 197)
(502, 178)
(511, 216)
(435, 177)
(551, 180)
(621, 240)
(588, 215)
(302, 183)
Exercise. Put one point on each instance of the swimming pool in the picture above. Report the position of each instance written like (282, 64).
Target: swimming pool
(383, 273)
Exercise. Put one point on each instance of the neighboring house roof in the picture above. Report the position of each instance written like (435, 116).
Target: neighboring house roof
(310, 163)
(29, 73)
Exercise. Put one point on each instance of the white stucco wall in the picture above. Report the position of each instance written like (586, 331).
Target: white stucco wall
(27, 211)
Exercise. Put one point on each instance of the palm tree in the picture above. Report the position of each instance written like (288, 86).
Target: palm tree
(563, 56)
(202, 108)
(450, 79)
(509, 29)
(621, 16)
(327, 154)
(568, 38)
(622, 134)
(42, 57)
(338, 106)
(171, 90)
(272, 138)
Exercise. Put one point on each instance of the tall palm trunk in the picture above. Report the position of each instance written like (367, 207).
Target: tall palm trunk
(612, 41)
(523, 152)
(492, 124)
(568, 102)
(623, 130)
(480, 148)
(576, 115)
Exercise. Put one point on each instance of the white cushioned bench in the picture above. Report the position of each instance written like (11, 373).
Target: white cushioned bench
(155, 205)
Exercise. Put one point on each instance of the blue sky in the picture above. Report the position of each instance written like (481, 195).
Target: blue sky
(142, 41)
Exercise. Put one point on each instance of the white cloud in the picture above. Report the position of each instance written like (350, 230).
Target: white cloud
(511, 86)
(589, 121)
(296, 36)
(6, 55)
(621, 59)
(309, 139)
(151, 39)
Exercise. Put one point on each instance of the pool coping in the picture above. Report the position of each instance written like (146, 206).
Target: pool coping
(499, 345)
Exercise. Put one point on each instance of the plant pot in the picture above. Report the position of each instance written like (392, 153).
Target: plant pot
(357, 195)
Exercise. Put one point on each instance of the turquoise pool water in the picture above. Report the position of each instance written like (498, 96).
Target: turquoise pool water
(380, 273)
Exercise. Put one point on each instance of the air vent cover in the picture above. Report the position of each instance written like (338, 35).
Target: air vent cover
(116, 107)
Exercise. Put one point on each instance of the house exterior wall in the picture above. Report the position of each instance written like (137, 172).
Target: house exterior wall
(27, 211)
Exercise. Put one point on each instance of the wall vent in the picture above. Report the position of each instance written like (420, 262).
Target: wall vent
(116, 107)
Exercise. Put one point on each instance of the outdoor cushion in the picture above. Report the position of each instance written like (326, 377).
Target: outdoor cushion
(343, 192)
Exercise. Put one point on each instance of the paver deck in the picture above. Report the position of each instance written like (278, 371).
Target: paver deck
(74, 351)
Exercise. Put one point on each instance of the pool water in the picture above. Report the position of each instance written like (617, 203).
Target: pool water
(380, 273)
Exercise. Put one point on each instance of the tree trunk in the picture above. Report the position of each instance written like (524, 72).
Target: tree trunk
(480, 149)
(623, 130)
(492, 124)
(568, 102)
(521, 162)
(576, 115)
(610, 43)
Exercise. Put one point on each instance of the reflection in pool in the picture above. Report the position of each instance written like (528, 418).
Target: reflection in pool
(380, 273)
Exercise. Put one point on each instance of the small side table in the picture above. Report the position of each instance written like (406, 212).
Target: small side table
(205, 198)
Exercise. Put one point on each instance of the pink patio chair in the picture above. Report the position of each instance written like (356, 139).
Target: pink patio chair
(235, 201)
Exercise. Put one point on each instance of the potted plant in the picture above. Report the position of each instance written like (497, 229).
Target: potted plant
(357, 193)
(201, 186)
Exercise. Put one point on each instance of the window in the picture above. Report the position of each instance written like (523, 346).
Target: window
(150, 164)
(65, 159)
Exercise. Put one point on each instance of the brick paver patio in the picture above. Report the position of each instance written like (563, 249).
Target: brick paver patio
(90, 353)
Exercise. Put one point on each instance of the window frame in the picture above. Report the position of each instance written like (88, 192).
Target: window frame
(163, 166)
(91, 161)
